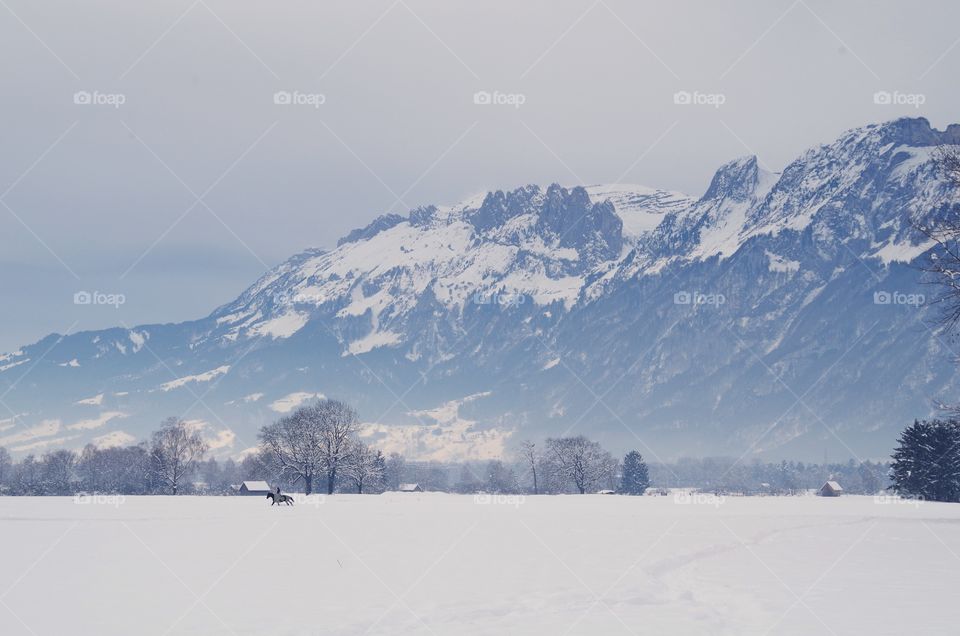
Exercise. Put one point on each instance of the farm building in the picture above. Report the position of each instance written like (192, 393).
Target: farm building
(830, 489)
(254, 488)
(410, 488)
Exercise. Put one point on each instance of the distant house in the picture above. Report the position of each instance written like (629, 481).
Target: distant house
(254, 488)
(410, 488)
(830, 489)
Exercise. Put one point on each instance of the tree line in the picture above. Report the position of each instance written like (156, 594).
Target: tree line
(316, 441)
(319, 447)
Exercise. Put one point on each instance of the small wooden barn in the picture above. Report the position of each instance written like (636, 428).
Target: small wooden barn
(830, 489)
(254, 488)
(410, 488)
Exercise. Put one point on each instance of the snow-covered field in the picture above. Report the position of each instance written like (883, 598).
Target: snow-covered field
(446, 564)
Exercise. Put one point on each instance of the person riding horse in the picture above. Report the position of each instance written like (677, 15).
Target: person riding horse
(279, 498)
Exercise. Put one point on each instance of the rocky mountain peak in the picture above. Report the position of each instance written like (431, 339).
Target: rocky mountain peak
(736, 180)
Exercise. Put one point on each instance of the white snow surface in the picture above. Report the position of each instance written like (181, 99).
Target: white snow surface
(431, 564)
(373, 341)
(283, 326)
(639, 207)
(206, 376)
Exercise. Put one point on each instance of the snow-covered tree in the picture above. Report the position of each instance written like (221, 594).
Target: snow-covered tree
(258, 466)
(125, 470)
(57, 472)
(580, 462)
(926, 463)
(530, 458)
(380, 483)
(364, 467)
(28, 479)
(313, 441)
(6, 469)
(636, 477)
(175, 451)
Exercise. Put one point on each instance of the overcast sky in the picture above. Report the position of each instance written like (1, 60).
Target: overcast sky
(183, 180)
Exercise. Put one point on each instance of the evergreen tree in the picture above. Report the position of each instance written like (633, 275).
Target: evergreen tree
(926, 463)
(636, 478)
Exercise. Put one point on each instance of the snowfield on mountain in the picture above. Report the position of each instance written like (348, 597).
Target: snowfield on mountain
(449, 564)
(778, 313)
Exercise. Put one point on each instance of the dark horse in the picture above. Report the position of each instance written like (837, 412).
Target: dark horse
(280, 499)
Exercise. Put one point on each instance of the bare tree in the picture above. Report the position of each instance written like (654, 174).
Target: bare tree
(341, 423)
(57, 470)
(175, 451)
(294, 444)
(29, 479)
(580, 461)
(115, 470)
(528, 452)
(312, 441)
(364, 466)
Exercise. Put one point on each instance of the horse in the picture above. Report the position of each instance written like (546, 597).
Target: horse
(280, 499)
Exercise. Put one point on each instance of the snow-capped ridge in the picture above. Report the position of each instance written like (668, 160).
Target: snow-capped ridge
(736, 180)
(545, 244)
(520, 287)
(379, 224)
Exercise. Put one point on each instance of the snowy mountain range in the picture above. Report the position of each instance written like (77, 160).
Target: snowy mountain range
(779, 313)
